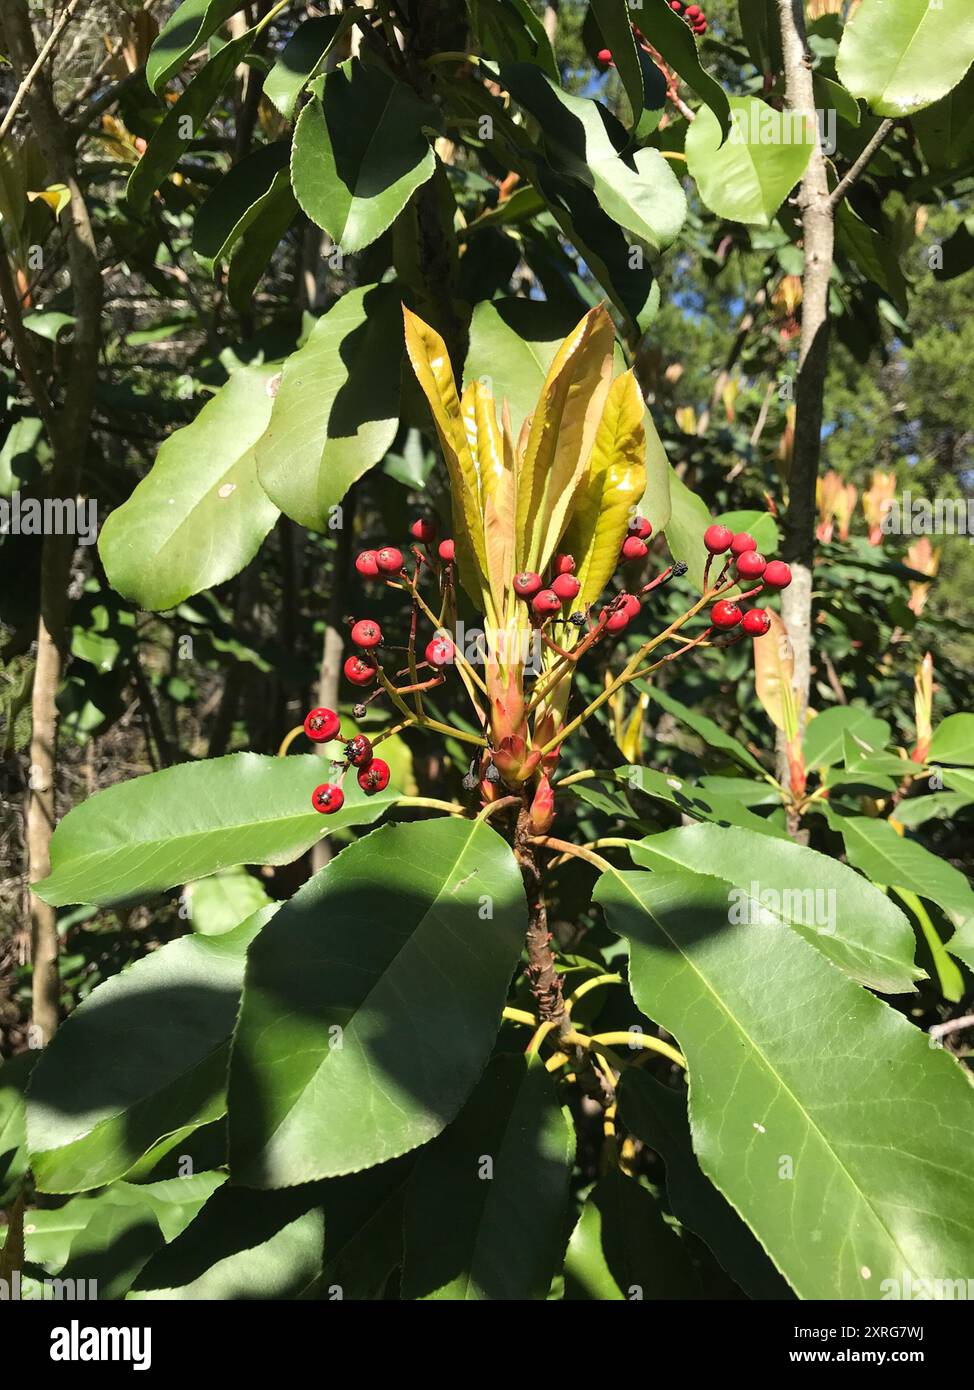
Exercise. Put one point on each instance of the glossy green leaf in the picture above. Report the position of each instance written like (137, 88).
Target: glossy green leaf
(689, 518)
(186, 31)
(511, 32)
(185, 822)
(303, 57)
(487, 1204)
(252, 254)
(221, 902)
(711, 733)
(88, 1121)
(236, 202)
(823, 1116)
(832, 96)
(14, 1074)
(657, 1115)
(903, 55)
(623, 1248)
(584, 141)
(200, 514)
(689, 798)
(676, 43)
(183, 120)
(825, 736)
(337, 408)
(896, 862)
(748, 177)
(359, 152)
(775, 883)
(372, 1004)
(109, 1238)
(953, 741)
(615, 25)
(945, 131)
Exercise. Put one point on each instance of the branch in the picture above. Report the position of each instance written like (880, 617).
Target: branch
(854, 174)
(36, 66)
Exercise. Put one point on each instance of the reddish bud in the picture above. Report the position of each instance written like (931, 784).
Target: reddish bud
(542, 812)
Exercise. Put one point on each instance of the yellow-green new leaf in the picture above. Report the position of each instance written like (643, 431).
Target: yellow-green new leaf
(611, 489)
(774, 674)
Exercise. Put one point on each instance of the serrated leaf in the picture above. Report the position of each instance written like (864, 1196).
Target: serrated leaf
(88, 1124)
(359, 152)
(825, 735)
(903, 55)
(201, 513)
(336, 410)
(185, 822)
(774, 883)
(186, 30)
(370, 1009)
(498, 1233)
(303, 57)
(791, 1064)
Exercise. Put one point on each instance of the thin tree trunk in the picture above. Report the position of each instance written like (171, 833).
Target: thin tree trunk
(70, 430)
(818, 228)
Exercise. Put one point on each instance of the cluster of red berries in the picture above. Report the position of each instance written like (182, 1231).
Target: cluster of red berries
(322, 725)
(693, 15)
(749, 565)
(562, 586)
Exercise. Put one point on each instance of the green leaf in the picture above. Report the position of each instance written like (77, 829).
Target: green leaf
(359, 152)
(957, 252)
(487, 1202)
(953, 741)
(585, 142)
(337, 409)
(832, 96)
(712, 734)
(657, 1115)
(511, 32)
(372, 1005)
(903, 55)
(945, 131)
(201, 513)
(303, 57)
(673, 38)
(21, 453)
(875, 848)
(50, 324)
(109, 1238)
(761, 32)
(825, 736)
(236, 202)
(221, 902)
(689, 518)
(774, 883)
(14, 1073)
(186, 31)
(623, 1248)
(88, 1123)
(687, 797)
(823, 1116)
(183, 120)
(273, 215)
(748, 177)
(185, 822)
(615, 25)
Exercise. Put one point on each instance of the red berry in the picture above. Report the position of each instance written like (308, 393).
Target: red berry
(742, 542)
(618, 621)
(359, 671)
(327, 798)
(777, 575)
(423, 530)
(375, 777)
(545, 602)
(564, 564)
(694, 12)
(440, 651)
(322, 725)
(566, 586)
(751, 565)
(527, 584)
(447, 551)
(634, 549)
(365, 633)
(389, 559)
(604, 56)
(756, 622)
(640, 527)
(676, 5)
(718, 538)
(630, 604)
(700, 28)
(366, 564)
(358, 751)
(725, 614)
